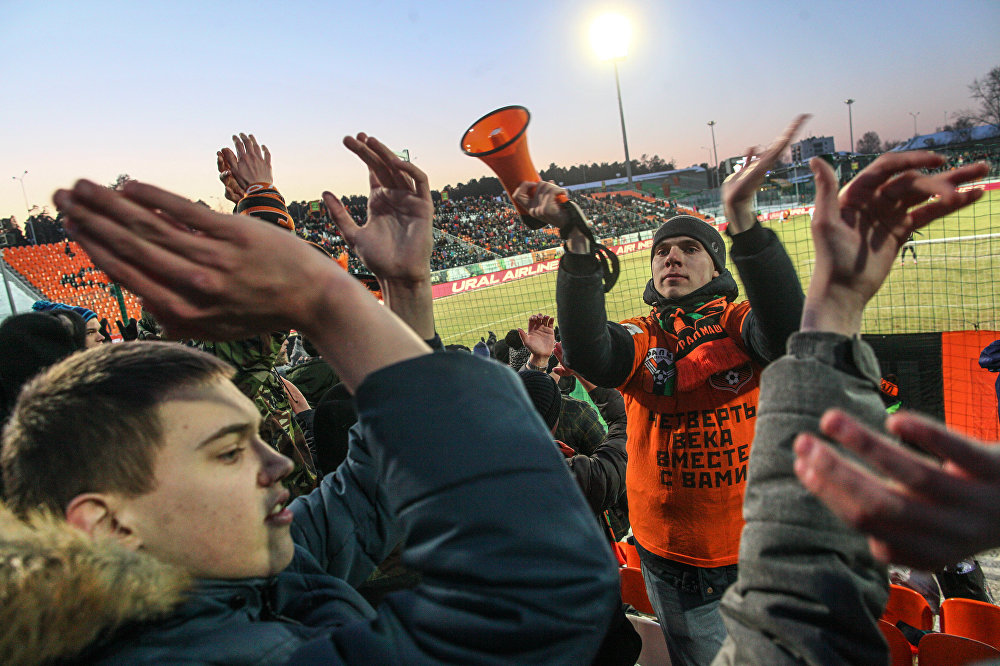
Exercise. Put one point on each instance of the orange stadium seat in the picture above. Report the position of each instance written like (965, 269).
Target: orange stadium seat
(631, 555)
(948, 650)
(44, 266)
(634, 590)
(900, 651)
(910, 607)
(968, 618)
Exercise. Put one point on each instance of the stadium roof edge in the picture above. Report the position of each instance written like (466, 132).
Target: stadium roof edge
(641, 178)
(942, 139)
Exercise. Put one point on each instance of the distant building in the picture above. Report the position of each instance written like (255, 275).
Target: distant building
(811, 147)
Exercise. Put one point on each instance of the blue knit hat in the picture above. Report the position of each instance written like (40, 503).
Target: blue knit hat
(49, 306)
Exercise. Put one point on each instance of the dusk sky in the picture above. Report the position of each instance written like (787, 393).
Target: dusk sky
(95, 89)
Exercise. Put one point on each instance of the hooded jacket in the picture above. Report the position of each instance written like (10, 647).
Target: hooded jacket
(61, 592)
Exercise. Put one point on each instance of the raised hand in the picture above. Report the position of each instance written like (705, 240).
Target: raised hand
(194, 268)
(233, 190)
(129, 331)
(921, 514)
(539, 339)
(739, 188)
(396, 242)
(251, 163)
(858, 232)
(105, 330)
(296, 400)
(540, 200)
(213, 276)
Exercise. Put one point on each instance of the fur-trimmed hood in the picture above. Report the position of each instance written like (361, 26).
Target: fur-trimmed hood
(60, 591)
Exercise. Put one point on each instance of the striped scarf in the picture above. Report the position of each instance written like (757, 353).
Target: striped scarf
(703, 346)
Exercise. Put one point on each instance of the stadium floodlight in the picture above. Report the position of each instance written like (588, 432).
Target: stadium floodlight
(850, 120)
(914, 121)
(609, 36)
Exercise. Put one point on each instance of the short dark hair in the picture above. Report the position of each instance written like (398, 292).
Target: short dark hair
(89, 423)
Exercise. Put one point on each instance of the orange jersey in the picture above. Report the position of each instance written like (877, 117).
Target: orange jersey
(688, 452)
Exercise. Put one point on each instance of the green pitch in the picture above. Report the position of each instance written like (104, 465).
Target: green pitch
(951, 287)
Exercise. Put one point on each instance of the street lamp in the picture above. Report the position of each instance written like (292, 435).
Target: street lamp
(609, 35)
(850, 120)
(914, 121)
(715, 153)
(27, 222)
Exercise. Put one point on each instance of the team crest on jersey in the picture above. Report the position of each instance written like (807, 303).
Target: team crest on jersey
(733, 379)
(632, 329)
(661, 373)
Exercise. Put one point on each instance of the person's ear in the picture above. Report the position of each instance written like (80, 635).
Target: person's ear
(715, 274)
(95, 514)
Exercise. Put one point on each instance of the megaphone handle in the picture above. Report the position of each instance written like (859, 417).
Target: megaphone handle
(608, 259)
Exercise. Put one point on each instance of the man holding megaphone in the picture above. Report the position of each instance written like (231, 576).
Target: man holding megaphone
(689, 372)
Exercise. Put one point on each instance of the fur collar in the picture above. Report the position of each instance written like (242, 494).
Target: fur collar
(61, 592)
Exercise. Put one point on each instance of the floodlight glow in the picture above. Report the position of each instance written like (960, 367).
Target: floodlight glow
(609, 36)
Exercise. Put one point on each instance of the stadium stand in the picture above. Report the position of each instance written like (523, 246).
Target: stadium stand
(63, 272)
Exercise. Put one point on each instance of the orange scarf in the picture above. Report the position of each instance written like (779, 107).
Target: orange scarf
(703, 345)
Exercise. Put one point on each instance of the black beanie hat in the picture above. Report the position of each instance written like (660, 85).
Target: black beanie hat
(513, 339)
(29, 343)
(544, 394)
(701, 231)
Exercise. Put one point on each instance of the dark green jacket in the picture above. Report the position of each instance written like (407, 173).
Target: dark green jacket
(313, 378)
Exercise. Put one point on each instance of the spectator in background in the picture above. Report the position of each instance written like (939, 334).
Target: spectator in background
(31, 342)
(248, 178)
(580, 427)
(92, 327)
(313, 376)
(517, 354)
(601, 477)
(989, 359)
(694, 361)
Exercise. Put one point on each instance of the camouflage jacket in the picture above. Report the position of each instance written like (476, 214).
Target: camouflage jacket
(254, 360)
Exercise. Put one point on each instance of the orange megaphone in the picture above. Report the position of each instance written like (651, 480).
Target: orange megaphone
(498, 138)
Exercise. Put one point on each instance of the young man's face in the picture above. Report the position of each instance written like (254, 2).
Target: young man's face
(217, 507)
(93, 337)
(680, 265)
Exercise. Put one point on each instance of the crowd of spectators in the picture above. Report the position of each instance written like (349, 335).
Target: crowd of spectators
(190, 502)
(476, 229)
(988, 154)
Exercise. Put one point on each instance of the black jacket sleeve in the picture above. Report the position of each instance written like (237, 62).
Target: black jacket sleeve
(598, 349)
(601, 475)
(773, 289)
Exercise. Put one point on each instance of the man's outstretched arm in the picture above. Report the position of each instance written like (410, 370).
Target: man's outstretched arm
(554, 595)
(599, 350)
(771, 284)
(396, 241)
(809, 588)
